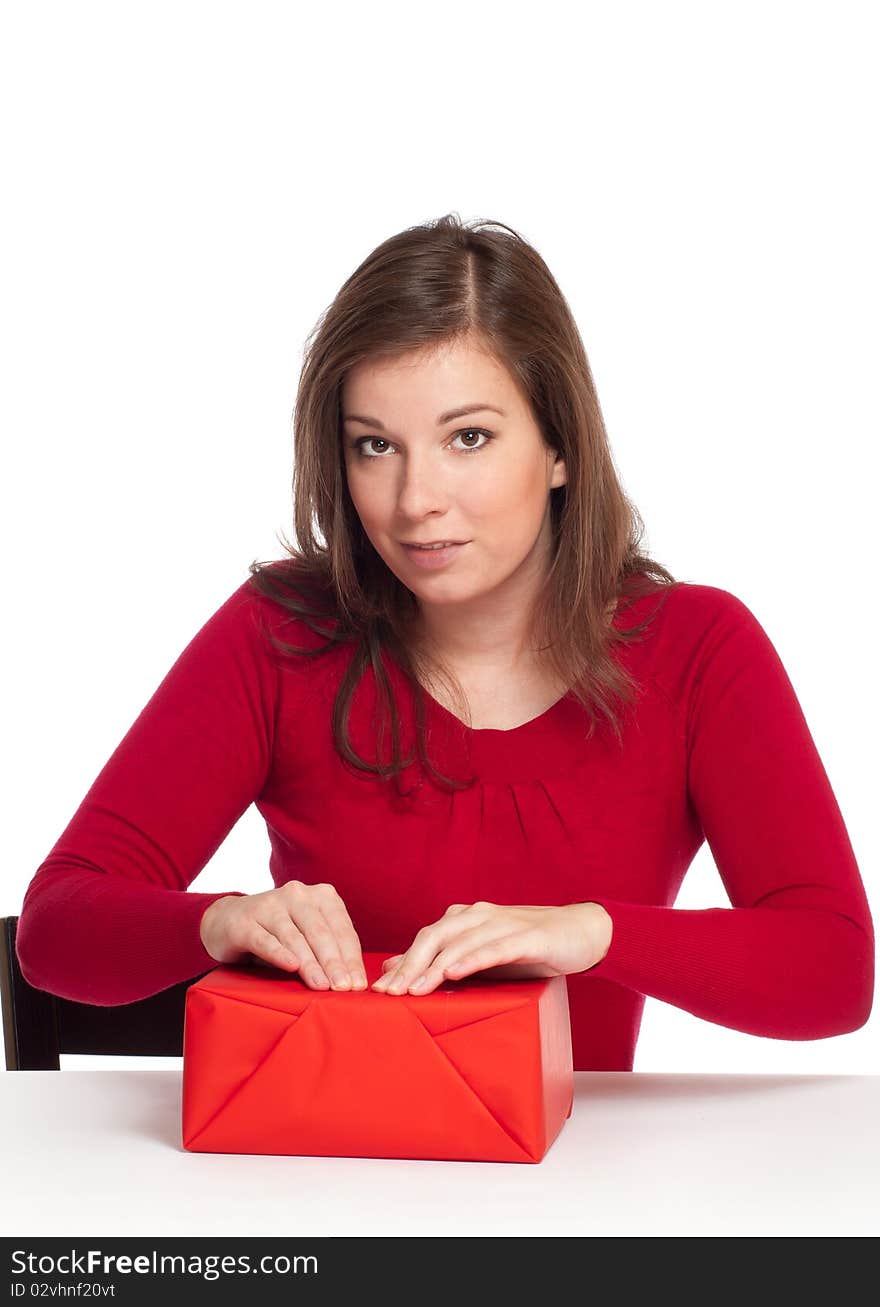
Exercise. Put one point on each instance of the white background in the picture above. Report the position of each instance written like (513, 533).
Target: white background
(186, 187)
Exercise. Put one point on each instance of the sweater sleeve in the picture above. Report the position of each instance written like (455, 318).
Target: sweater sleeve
(106, 918)
(793, 957)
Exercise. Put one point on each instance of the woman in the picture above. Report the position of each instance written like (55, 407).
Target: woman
(568, 722)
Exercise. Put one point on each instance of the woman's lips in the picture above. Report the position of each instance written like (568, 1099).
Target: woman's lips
(431, 559)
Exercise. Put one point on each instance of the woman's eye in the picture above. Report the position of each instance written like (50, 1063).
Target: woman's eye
(360, 445)
(364, 442)
(473, 431)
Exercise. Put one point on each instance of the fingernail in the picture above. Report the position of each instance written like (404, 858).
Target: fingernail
(420, 983)
(341, 979)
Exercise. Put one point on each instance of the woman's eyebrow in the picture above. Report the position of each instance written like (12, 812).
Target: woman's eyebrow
(442, 419)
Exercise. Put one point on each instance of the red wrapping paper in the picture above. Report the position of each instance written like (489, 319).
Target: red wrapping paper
(477, 1070)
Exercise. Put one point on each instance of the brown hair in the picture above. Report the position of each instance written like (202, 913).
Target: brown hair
(431, 285)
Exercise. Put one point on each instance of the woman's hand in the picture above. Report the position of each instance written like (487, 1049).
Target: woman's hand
(297, 927)
(507, 941)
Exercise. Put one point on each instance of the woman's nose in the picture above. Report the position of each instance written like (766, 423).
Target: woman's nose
(421, 486)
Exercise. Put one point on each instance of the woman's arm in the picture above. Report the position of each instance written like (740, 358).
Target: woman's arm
(106, 918)
(793, 957)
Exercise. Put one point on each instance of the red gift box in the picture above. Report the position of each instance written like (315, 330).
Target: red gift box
(476, 1070)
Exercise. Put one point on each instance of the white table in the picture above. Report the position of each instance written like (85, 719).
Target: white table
(100, 1153)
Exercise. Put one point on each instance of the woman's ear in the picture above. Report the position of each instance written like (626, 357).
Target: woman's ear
(560, 475)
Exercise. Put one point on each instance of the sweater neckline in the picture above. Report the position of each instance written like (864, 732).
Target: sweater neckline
(489, 741)
(487, 736)
(488, 732)
(490, 735)
(550, 744)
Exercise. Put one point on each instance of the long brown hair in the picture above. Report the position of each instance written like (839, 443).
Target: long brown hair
(431, 285)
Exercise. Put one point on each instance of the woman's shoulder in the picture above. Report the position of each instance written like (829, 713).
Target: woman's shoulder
(696, 606)
(288, 602)
(703, 635)
(688, 605)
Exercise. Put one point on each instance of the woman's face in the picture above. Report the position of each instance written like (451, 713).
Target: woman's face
(418, 473)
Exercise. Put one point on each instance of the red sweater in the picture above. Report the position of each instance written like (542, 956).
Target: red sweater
(716, 748)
